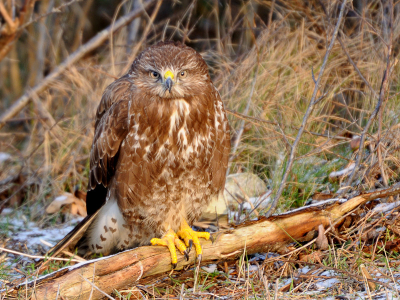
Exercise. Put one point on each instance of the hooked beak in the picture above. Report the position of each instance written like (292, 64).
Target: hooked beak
(169, 76)
(168, 84)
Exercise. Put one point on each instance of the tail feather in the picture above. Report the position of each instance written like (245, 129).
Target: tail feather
(70, 241)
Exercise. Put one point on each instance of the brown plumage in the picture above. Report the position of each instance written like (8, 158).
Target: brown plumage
(159, 154)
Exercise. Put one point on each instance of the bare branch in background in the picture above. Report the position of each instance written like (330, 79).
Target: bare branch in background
(306, 115)
(356, 68)
(81, 24)
(349, 57)
(382, 95)
(53, 11)
(8, 32)
(238, 136)
(92, 44)
(144, 35)
(133, 28)
(379, 146)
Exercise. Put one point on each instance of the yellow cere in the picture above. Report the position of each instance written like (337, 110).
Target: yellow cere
(169, 74)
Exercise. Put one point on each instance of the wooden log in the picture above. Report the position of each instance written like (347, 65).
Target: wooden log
(126, 268)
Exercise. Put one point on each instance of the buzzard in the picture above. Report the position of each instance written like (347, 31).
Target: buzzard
(159, 156)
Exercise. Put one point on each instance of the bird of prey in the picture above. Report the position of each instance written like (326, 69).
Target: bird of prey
(159, 156)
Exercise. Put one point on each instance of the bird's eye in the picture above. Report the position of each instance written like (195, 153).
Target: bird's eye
(183, 74)
(154, 74)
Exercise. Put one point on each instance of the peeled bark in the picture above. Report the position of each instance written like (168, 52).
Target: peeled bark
(126, 268)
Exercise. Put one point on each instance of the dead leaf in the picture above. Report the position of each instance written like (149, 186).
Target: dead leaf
(365, 273)
(67, 203)
(347, 223)
(355, 142)
(322, 241)
(322, 196)
(314, 257)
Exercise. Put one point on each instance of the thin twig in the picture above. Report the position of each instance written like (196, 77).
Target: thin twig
(144, 35)
(356, 68)
(250, 119)
(246, 110)
(37, 256)
(382, 94)
(306, 115)
(379, 145)
(271, 12)
(7, 17)
(53, 11)
(92, 44)
(70, 254)
(348, 55)
(351, 275)
(93, 285)
(91, 291)
(312, 75)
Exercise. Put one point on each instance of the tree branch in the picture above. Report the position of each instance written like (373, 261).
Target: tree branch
(306, 115)
(92, 44)
(128, 267)
(382, 94)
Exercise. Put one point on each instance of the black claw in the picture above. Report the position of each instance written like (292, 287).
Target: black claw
(212, 239)
(174, 265)
(186, 253)
(190, 245)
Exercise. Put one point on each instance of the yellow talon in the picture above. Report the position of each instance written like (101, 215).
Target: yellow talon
(171, 240)
(188, 234)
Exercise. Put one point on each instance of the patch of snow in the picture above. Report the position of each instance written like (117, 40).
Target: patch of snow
(328, 273)
(384, 207)
(325, 284)
(285, 281)
(7, 211)
(30, 233)
(210, 268)
(4, 156)
(305, 270)
(258, 202)
(258, 256)
(253, 268)
(34, 234)
(343, 172)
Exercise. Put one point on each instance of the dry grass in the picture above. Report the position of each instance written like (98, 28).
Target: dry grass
(50, 140)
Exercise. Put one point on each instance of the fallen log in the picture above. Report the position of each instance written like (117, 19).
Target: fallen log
(126, 268)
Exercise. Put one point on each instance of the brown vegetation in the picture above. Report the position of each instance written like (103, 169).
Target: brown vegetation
(265, 57)
(127, 268)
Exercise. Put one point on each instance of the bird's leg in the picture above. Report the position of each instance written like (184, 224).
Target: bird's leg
(170, 239)
(186, 233)
(191, 237)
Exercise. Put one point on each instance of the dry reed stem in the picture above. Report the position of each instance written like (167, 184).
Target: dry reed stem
(38, 257)
(382, 95)
(144, 35)
(127, 267)
(291, 48)
(92, 44)
(307, 114)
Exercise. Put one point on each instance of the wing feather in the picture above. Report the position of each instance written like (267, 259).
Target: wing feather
(111, 128)
(219, 163)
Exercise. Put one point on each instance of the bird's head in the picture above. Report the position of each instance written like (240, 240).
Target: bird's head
(171, 71)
